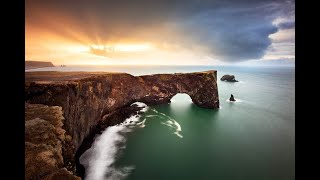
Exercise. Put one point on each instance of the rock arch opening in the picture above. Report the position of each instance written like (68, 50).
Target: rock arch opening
(182, 98)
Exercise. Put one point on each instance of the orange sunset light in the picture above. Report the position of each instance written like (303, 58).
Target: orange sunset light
(62, 38)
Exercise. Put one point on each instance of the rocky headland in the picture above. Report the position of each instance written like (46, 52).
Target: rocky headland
(65, 110)
(37, 64)
(229, 78)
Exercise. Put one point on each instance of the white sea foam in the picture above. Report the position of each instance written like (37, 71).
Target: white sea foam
(142, 123)
(170, 122)
(152, 115)
(98, 160)
(237, 100)
(162, 114)
(178, 134)
(140, 104)
(177, 125)
(167, 124)
(173, 124)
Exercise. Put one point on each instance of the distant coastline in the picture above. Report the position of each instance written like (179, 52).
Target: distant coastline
(37, 64)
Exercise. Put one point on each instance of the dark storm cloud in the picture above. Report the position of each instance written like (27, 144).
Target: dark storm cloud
(287, 25)
(230, 30)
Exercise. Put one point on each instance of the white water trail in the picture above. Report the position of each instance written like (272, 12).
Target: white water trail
(170, 123)
(175, 125)
(98, 160)
(237, 100)
(142, 123)
(142, 105)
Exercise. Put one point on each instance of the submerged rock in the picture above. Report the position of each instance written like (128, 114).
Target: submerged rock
(231, 98)
(229, 78)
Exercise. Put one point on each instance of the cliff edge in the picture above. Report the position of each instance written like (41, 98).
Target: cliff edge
(37, 64)
(87, 98)
(46, 143)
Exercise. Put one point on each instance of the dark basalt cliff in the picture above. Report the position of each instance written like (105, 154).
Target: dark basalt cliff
(89, 98)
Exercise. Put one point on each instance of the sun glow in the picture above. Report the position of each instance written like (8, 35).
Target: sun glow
(76, 49)
(122, 47)
(132, 47)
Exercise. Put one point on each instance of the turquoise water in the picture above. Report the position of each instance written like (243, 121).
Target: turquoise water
(250, 139)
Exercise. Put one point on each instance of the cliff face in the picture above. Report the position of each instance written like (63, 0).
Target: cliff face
(46, 143)
(37, 64)
(86, 98)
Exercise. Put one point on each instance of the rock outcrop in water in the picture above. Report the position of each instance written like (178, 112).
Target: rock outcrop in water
(87, 98)
(231, 98)
(229, 78)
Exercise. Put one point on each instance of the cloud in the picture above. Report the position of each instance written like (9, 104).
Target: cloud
(231, 30)
(231, 34)
(287, 25)
(283, 41)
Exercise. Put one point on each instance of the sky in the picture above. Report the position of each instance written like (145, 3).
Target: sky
(161, 32)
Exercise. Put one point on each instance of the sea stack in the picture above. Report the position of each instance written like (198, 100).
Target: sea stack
(229, 78)
(231, 98)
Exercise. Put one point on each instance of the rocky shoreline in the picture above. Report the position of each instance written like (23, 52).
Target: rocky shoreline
(90, 102)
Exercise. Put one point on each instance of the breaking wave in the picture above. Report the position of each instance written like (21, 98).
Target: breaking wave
(99, 159)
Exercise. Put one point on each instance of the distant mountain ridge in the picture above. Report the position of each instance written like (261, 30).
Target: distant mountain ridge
(37, 64)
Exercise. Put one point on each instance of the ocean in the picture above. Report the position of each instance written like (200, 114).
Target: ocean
(250, 139)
